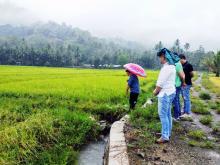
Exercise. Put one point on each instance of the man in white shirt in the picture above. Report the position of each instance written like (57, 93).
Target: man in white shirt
(165, 91)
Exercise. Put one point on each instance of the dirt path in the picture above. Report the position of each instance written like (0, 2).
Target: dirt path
(178, 151)
(196, 117)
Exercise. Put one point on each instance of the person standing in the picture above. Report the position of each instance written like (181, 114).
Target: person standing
(179, 81)
(188, 70)
(133, 86)
(165, 91)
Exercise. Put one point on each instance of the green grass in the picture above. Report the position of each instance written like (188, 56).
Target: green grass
(203, 144)
(198, 139)
(205, 96)
(199, 107)
(216, 128)
(197, 88)
(212, 105)
(147, 123)
(197, 134)
(211, 83)
(46, 114)
(206, 120)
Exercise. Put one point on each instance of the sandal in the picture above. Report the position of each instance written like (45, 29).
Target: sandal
(161, 141)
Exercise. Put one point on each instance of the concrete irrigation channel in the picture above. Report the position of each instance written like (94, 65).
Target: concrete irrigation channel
(109, 150)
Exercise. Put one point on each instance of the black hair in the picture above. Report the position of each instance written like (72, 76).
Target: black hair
(127, 71)
(160, 53)
(182, 56)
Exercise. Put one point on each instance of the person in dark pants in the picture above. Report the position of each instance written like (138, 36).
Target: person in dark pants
(133, 86)
(179, 82)
(188, 70)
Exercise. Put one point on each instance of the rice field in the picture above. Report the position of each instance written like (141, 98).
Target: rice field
(216, 81)
(212, 83)
(47, 114)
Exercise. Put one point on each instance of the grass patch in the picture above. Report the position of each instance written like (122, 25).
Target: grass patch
(197, 88)
(211, 83)
(216, 128)
(198, 139)
(213, 105)
(147, 123)
(206, 120)
(205, 96)
(197, 134)
(202, 144)
(199, 107)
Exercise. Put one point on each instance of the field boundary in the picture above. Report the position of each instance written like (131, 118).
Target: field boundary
(117, 148)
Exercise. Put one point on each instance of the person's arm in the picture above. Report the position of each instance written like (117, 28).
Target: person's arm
(182, 77)
(180, 72)
(127, 89)
(160, 82)
(130, 81)
(191, 71)
(157, 90)
(192, 74)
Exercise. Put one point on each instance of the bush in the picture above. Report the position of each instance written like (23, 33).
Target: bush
(204, 96)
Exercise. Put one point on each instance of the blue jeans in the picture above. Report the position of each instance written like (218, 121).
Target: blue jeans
(186, 99)
(164, 111)
(176, 103)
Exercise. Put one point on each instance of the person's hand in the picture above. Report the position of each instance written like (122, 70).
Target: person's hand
(155, 92)
(126, 93)
(183, 85)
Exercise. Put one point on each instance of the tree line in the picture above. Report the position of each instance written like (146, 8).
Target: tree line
(52, 44)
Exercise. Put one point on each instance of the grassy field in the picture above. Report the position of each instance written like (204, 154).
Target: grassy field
(216, 81)
(211, 83)
(47, 114)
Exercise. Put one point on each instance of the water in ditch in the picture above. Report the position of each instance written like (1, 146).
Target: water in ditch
(92, 154)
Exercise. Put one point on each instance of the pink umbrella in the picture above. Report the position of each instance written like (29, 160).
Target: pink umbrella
(135, 69)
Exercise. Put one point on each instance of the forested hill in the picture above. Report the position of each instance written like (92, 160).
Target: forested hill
(52, 44)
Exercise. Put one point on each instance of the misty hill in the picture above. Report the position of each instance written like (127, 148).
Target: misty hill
(56, 33)
(52, 44)
(64, 46)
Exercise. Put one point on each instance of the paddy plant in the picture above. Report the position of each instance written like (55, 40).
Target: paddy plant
(47, 114)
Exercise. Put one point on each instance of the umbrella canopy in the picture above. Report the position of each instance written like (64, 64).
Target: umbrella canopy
(135, 69)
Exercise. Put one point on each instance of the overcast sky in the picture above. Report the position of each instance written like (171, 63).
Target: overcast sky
(144, 21)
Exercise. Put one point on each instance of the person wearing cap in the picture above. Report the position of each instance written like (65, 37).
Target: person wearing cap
(188, 70)
(134, 87)
(165, 91)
